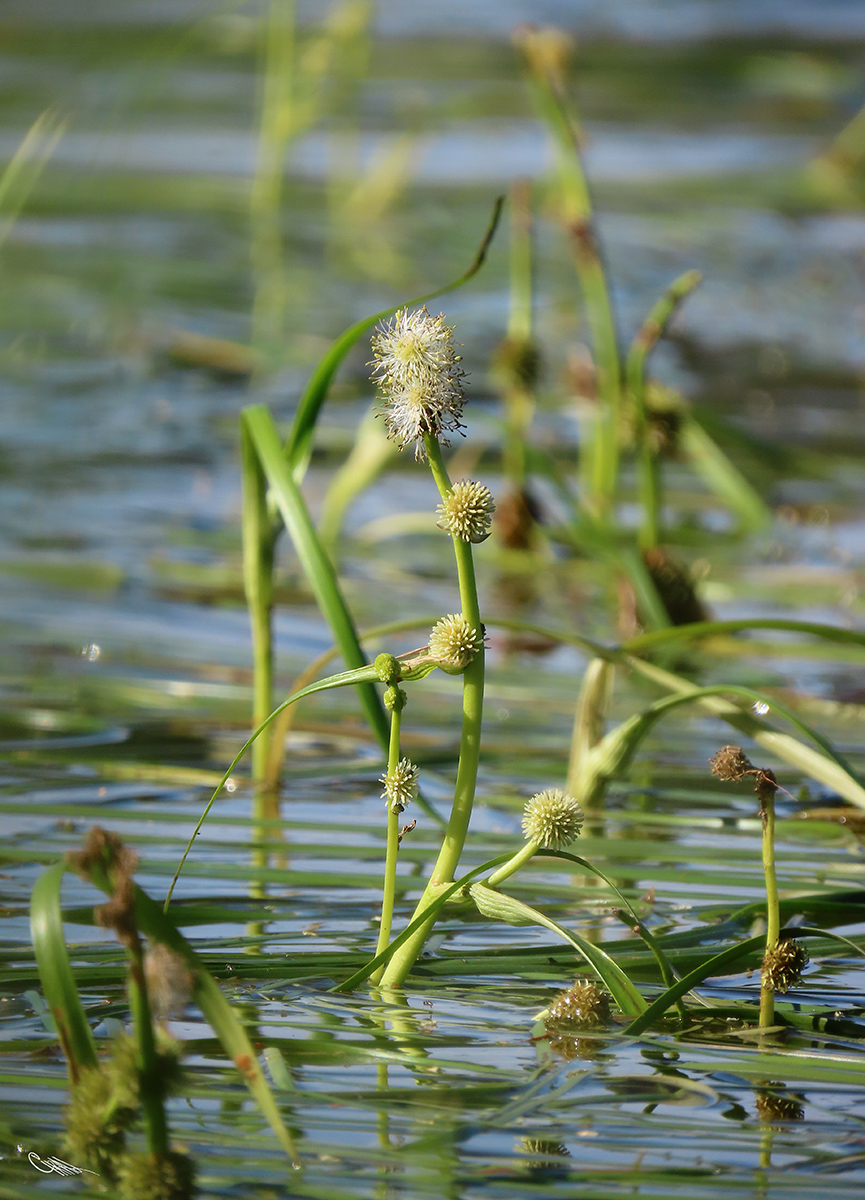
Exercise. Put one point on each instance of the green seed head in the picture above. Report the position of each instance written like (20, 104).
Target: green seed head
(400, 785)
(387, 668)
(453, 643)
(467, 511)
(147, 1177)
(783, 964)
(394, 699)
(582, 1006)
(552, 819)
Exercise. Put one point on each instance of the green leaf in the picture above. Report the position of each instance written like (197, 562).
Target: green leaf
(501, 907)
(707, 629)
(668, 974)
(724, 479)
(55, 973)
(314, 559)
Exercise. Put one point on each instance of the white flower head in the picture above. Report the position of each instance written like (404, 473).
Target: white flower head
(552, 819)
(467, 511)
(417, 368)
(400, 785)
(453, 642)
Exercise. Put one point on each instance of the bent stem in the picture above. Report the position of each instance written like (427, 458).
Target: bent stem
(470, 744)
(389, 887)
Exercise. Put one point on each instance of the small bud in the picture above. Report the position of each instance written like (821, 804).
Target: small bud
(552, 819)
(783, 964)
(453, 643)
(467, 511)
(582, 1006)
(387, 668)
(394, 699)
(400, 785)
(731, 763)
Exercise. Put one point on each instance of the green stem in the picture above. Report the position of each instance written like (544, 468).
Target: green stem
(389, 887)
(146, 1058)
(513, 865)
(258, 557)
(773, 913)
(470, 744)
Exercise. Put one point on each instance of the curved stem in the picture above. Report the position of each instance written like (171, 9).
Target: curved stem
(470, 743)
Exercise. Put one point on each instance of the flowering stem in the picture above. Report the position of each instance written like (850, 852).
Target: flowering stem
(470, 742)
(513, 864)
(389, 887)
(766, 791)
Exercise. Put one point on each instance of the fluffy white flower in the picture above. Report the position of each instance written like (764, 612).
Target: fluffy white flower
(467, 511)
(417, 368)
(453, 642)
(400, 785)
(552, 819)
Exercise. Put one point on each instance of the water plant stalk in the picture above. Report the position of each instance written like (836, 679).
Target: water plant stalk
(470, 742)
(389, 887)
(258, 563)
(766, 788)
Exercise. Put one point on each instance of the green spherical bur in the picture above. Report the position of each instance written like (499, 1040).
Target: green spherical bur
(394, 699)
(148, 1177)
(387, 668)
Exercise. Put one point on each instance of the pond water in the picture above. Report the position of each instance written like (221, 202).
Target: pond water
(125, 657)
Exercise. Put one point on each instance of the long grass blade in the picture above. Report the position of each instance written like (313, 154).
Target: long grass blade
(724, 479)
(712, 966)
(55, 973)
(668, 973)
(313, 557)
(706, 629)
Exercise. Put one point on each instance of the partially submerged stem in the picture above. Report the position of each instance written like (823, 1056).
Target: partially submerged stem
(766, 791)
(151, 1090)
(470, 742)
(389, 887)
(258, 558)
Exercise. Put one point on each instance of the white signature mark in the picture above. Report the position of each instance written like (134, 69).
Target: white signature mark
(56, 1166)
